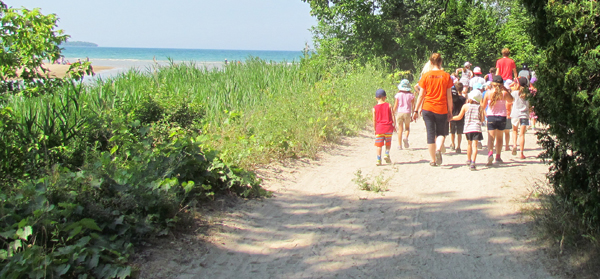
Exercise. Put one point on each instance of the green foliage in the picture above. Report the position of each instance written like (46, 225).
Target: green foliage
(404, 33)
(366, 183)
(27, 38)
(568, 100)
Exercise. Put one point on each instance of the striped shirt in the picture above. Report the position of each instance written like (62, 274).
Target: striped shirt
(472, 121)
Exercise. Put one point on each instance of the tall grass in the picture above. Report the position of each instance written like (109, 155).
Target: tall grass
(256, 111)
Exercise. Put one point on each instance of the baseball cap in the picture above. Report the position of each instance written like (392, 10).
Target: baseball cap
(477, 71)
(498, 79)
(475, 95)
(404, 85)
(379, 93)
(467, 64)
(523, 82)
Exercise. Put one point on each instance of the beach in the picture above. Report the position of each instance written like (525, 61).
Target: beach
(60, 71)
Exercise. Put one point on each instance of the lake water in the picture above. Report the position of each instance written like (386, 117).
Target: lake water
(121, 59)
(163, 54)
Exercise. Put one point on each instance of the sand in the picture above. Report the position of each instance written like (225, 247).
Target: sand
(433, 222)
(59, 71)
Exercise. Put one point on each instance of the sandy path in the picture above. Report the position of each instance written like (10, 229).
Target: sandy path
(442, 222)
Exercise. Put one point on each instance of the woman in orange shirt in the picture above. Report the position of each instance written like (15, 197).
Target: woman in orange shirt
(435, 105)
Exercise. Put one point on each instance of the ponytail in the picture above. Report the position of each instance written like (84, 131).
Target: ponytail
(498, 88)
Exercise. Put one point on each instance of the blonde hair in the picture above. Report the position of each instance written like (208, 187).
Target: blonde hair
(427, 67)
(505, 51)
(498, 88)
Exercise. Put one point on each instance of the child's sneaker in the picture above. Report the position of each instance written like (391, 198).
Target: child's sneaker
(458, 150)
(387, 159)
(514, 151)
(499, 161)
(406, 145)
(452, 147)
(379, 162)
(490, 160)
(472, 167)
(469, 162)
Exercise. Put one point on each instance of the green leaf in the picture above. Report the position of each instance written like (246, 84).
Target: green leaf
(24, 233)
(62, 269)
(3, 254)
(114, 149)
(89, 224)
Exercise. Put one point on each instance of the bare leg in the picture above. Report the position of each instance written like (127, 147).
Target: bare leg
(400, 131)
(507, 138)
(499, 142)
(522, 140)
(407, 129)
(452, 139)
(473, 146)
(491, 141)
(458, 140)
(470, 150)
(515, 134)
(439, 142)
(431, 148)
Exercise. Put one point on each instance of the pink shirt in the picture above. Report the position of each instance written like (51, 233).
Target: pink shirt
(405, 100)
(499, 108)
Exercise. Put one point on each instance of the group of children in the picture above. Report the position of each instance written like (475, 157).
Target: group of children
(499, 105)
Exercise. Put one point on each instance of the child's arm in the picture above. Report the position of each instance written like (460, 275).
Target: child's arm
(394, 118)
(419, 104)
(481, 114)
(374, 122)
(460, 116)
(395, 109)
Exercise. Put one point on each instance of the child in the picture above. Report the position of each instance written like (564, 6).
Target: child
(403, 107)
(473, 115)
(520, 114)
(456, 127)
(383, 122)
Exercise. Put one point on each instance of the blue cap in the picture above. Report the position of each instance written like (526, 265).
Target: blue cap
(380, 93)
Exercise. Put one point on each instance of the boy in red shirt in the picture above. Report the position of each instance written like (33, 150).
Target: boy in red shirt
(384, 124)
(505, 66)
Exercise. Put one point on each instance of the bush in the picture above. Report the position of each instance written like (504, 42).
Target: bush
(568, 100)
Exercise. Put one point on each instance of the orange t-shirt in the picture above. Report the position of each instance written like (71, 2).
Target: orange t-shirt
(436, 84)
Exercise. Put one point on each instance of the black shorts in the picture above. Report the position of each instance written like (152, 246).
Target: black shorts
(496, 122)
(474, 136)
(435, 124)
(456, 127)
(508, 125)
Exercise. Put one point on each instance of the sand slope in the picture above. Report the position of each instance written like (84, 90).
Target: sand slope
(443, 222)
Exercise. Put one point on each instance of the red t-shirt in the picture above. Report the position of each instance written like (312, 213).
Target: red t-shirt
(436, 84)
(506, 66)
(384, 122)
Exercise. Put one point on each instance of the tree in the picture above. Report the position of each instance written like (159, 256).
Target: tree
(406, 32)
(27, 38)
(568, 100)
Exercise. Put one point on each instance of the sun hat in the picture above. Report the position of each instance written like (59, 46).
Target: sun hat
(497, 79)
(488, 83)
(478, 86)
(475, 95)
(380, 93)
(477, 71)
(508, 83)
(467, 64)
(404, 85)
(523, 82)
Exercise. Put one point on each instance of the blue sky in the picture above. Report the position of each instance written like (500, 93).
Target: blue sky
(204, 24)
